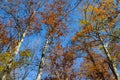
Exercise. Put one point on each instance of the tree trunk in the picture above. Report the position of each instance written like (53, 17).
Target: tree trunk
(17, 48)
(111, 63)
(42, 62)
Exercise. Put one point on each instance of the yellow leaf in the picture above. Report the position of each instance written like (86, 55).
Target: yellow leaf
(83, 22)
(100, 47)
(1, 68)
(25, 53)
(79, 34)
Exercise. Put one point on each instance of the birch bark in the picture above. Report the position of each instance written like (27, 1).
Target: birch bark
(17, 49)
(42, 62)
(111, 63)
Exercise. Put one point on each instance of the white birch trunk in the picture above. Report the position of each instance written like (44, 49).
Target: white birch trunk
(42, 62)
(112, 65)
(17, 48)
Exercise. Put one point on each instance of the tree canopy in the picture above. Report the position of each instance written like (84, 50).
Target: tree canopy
(59, 40)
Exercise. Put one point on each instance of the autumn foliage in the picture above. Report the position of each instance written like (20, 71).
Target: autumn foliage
(59, 40)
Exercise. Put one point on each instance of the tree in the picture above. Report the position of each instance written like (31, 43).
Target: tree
(97, 27)
(18, 26)
(55, 22)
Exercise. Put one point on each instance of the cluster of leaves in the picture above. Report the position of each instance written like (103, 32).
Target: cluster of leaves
(59, 63)
(23, 60)
(95, 69)
(56, 18)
